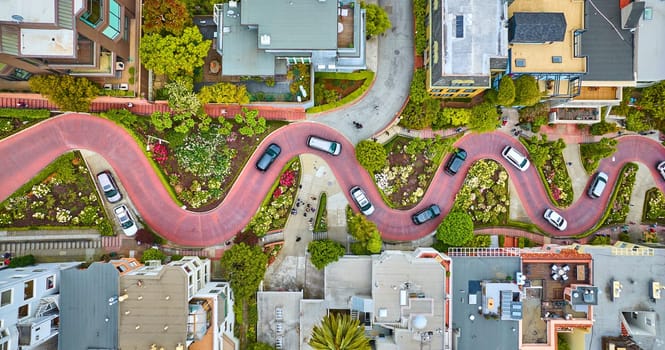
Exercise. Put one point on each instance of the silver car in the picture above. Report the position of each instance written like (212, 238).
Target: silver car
(661, 169)
(126, 221)
(360, 197)
(555, 219)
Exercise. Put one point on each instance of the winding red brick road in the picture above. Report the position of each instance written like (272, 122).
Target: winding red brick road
(24, 154)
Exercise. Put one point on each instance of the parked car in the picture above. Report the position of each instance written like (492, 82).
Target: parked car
(598, 185)
(426, 214)
(555, 219)
(455, 162)
(360, 197)
(126, 221)
(661, 169)
(515, 158)
(332, 147)
(268, 157)
(109, 187)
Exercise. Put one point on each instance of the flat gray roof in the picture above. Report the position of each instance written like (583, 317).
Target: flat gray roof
(279, 317)
(241, 44)
(293, 24)
(481, 333)
(650, 44)
(349, 276)
(609, 54)
(311, 314)
(635, 274)
(86, 318)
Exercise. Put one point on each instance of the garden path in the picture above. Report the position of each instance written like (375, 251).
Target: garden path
(45, 141)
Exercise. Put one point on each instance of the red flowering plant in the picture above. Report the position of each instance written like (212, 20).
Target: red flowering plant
(288, 178)
(278, 192)
(160, 153)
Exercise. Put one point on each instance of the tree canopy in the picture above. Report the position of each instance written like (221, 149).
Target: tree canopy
(456, 229)
(527, 92)
(484, 117)
(339, 332)
(164, 17)
(324, 252)
(506, 94)
(365, 232)
(152, 254)
(652, 100)
(67, 92)
(224, 93)
(244, 266)
(173, 55)
(376, 19)
(371, 155)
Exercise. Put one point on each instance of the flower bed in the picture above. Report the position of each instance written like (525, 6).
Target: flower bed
(554, 172)
(412, 164)
(276, 208)
(654, 208)
(485, 194)
(62, 194)
(620, 206)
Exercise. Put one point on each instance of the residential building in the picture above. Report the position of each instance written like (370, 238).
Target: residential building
(89, 38)
(262, 37)
(633, 279)
(89, 305)
(647, 21)
(159, 306)
(467, 45)
(29, 314)
(544, 39)
(400, 298)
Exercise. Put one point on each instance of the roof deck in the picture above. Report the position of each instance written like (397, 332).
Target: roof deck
(345, 14)
(542, 57)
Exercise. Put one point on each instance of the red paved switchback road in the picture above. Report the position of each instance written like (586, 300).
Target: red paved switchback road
(24, 154)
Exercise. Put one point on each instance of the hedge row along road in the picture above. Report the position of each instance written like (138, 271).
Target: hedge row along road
(24, 154)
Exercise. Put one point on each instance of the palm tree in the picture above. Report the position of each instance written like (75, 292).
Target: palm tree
(339, 332)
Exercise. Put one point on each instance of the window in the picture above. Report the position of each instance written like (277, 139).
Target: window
(28, 289)
(469, 90)
(520, 62)
(453, 90)
(448, 95)
(50, 282)
(459, 26)
(557, 59)
(113, 29)
(23, 311)
(463, 95)
(6, 297)
(4, 345)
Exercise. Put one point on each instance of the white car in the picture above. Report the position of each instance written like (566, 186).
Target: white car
(555, 219)
(126, 221)
(661, 169)
(360, 197)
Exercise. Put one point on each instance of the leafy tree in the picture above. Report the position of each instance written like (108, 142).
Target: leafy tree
(244, 266)
(121, 116)
(325, 252)
(365, 232)
(22, 261)
(539, 150)
(339, 332)
(456, 229)
(484, 117)
(67, 92)
(652, 100)
(492, 96)
(376, 19)
(224, 93)
(506, 94)
(636, 121)
(260, 346)
(161, 120)
(602, 128)
(182, 100)
(452, 116)
(164, 17)
(253, 124)
(371, 155)
(152, 254)
(173, 55)
(144, 236)
(418, 91)
(527, 92)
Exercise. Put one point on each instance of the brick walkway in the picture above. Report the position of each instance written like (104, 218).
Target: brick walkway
(143, 107)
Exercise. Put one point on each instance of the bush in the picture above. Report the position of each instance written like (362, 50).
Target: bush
(22, 261)
(24, 113)
(506, 94)
(592, 153)
(527, 92)
(456, 229)
(602, 128)
(367, 75)
(324, 252)
(371, 155)
(152, 254)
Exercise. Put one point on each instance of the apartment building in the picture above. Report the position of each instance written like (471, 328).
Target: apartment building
(29, 314)
(88, 38)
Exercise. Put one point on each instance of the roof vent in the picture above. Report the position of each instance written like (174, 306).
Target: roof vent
(265, 39)
(233, 4)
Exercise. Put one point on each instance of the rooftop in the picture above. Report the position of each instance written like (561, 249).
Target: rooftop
(279, 318)
(635, 273)
(556, 56)
(471, 328)
(537, 27)
(33, 11)
(345, 278)
(84, 304)
(650, 44)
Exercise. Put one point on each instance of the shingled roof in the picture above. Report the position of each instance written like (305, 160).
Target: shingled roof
(536, 27)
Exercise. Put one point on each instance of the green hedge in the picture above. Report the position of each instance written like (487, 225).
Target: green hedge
(22, 261)
(25, 113)
(367, 75)
(320, 224)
